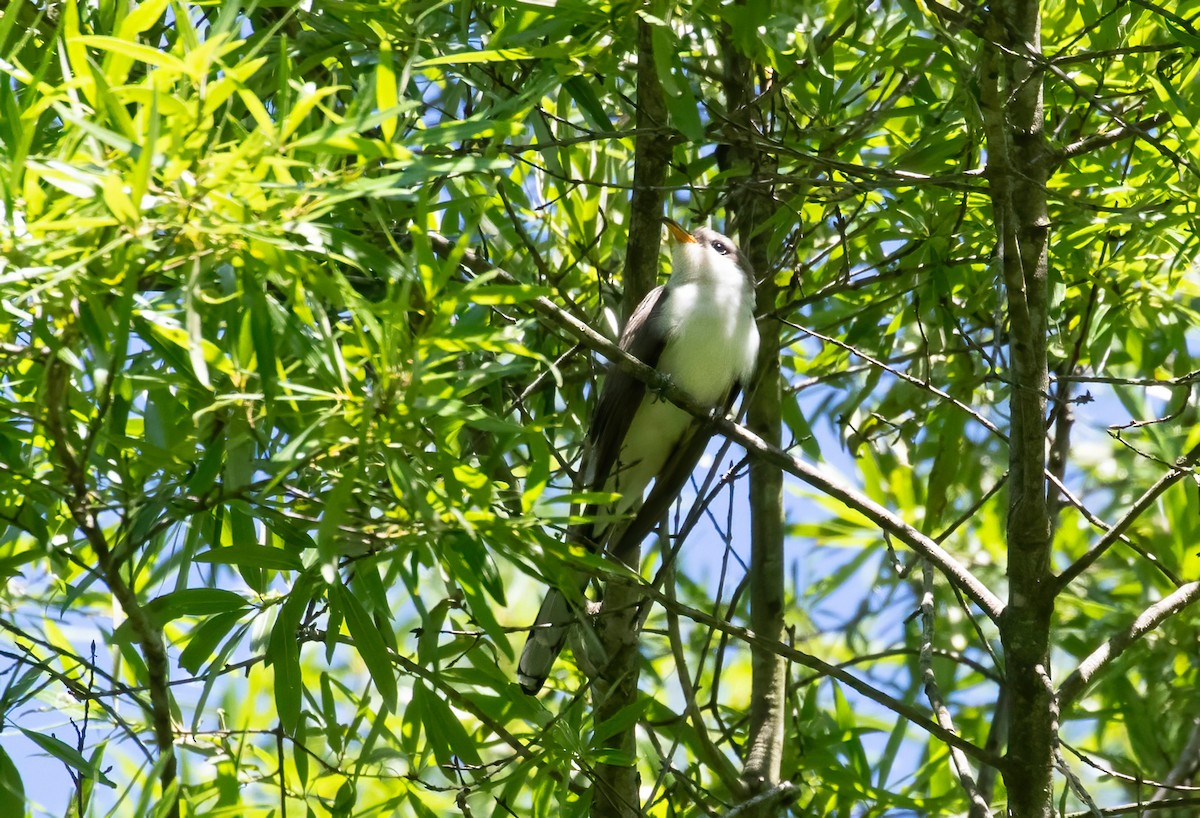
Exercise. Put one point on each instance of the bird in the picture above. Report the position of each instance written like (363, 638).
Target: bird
(699, 331)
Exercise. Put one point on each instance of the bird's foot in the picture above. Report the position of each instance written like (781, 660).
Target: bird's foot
(661, 386)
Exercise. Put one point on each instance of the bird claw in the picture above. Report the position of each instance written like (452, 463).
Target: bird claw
(662, 386)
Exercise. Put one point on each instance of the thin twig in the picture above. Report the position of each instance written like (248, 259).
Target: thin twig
(1182, 467)
(962, 766)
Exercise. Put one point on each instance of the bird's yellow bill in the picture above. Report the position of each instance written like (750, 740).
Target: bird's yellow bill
(678, 233)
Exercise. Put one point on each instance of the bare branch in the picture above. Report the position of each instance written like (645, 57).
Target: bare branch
(748, 636)
(962, 766)
(1137, 780)
(773, 798)
(721, 765)
(1151, 618)
(1182, 467)
(1103, 140)
(1135, 809)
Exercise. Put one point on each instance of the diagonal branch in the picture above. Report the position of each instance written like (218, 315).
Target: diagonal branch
(955, 571)
(1101, 657)
(1103, 140)
(962, 766)
(903, 709)
(1182, 466)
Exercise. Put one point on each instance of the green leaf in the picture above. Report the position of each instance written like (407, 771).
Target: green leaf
(204, 640)
(1187, 38)
(493, 55)
(589, 104)
(335, 502)
(104, 135)
(368, 643)
(444, 731)
(12, 790)
(262, 331)
(618, 722)
(283, 653)
(7, 21)
(300, 752)
(67, 755)
(138, 51)
(685, 115)
(254, 556)
(386, 96)
(194, 602)
(141, 18)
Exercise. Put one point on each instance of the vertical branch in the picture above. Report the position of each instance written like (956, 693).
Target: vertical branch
(962, 765)
(1019, 163)
(651, 157)
(750, 207)
(768, 686)
(149, 637)
(617, 782)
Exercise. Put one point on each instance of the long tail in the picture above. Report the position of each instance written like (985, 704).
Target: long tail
(545, 642)
(557, 616)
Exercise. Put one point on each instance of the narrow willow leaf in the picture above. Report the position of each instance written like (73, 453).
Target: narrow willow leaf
(283, 654)
(67, 755)
(369, 644)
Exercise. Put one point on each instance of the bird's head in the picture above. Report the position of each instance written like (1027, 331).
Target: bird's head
(706, 254)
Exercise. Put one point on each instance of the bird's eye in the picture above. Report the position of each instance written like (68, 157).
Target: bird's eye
(721, 247)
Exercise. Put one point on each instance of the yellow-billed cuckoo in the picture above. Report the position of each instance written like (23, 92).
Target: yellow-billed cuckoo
(698, 330)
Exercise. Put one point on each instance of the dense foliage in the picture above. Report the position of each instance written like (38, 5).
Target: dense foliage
(287, 435)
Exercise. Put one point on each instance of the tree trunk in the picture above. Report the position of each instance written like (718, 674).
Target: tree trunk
(1018, 167)
(615, 792)
(750, 207)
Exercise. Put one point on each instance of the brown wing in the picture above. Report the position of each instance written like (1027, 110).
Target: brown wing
(619, 400)
(622, 393)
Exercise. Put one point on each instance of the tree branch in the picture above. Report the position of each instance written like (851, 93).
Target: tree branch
(147, 633)
(955, 571)
(1019, 162)
(901, 708)
(751, 207)
(1103, 140)
(1151, 618)
(616, 793)
(1183, 466)
(962, 766)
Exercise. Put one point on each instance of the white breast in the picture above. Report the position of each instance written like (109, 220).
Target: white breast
(712, 341)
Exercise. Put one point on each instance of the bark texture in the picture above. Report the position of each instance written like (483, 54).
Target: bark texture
(751, 207)
(1019, 163)
(617, 782)
(651, 158)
